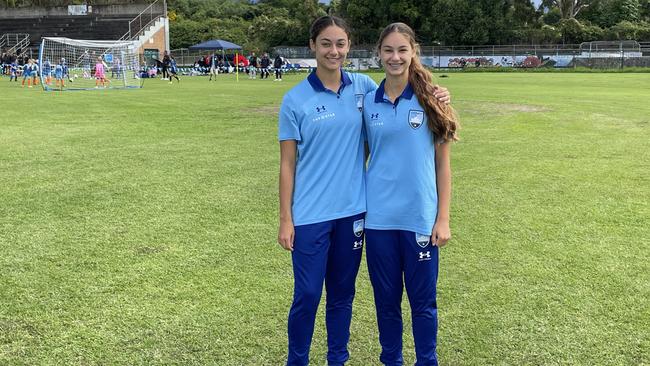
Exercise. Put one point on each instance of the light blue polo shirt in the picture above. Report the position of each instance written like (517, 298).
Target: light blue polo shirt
(330, 178)
(401, 177)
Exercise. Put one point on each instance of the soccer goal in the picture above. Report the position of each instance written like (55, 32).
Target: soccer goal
(75, 64)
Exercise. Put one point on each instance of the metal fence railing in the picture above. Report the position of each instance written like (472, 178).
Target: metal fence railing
(148, 16)
(14, 43)
(588, 54)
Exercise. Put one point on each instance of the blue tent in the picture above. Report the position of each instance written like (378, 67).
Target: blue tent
(216, 44)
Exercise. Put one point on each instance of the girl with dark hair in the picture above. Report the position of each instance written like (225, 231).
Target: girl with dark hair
(408, 194)
(277, 65)
(322, 190)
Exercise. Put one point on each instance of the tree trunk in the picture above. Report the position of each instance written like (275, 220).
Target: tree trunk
(570, 8)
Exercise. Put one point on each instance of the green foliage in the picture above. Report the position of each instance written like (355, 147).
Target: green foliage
(573, 31)
(606, 13)
(553, 17)
(626, 30)
(523, 13)
(545, 35)
(255, 26)
(645, 10)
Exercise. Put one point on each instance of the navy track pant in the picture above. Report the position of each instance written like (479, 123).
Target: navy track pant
(327, 252)
(398, 259)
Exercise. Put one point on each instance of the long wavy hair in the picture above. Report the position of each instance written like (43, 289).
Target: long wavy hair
(443, 120)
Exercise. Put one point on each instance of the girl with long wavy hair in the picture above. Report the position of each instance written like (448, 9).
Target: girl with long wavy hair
(408, 193)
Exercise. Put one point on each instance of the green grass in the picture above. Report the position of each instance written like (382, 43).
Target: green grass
(138, 227)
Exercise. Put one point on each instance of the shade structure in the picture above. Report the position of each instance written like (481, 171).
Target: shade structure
(216, 44)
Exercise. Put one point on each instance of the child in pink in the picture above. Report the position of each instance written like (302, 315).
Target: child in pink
(100, 73)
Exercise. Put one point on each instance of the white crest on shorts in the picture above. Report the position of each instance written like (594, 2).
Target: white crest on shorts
(357, 227)
(416, 118)
(422, 240)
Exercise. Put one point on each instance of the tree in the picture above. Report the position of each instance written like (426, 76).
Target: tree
(607, 13)
(645, 10)
(367, 18)
(570, 8)
(625, 10)
(523, 13)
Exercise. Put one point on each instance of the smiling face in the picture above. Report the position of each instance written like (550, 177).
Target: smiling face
(331, 48)
(396, 53)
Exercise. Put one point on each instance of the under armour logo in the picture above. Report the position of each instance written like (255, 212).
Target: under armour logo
(374, 115)
(320, 109)
(425, 255)
(357, 245)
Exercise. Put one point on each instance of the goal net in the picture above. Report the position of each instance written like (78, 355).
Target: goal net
(75, 64)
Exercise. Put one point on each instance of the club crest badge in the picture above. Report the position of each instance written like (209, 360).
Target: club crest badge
(359, 98)
(422, 240)
(416, 118)
(357, 226)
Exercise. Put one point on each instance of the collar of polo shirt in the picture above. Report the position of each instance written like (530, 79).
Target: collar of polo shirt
(318, 86)
(407, 93)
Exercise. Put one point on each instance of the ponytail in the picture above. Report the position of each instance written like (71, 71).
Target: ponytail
(443, 120)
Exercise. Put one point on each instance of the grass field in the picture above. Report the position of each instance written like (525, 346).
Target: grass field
(138, 227)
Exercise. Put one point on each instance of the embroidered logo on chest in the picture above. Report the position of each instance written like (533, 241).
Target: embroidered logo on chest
(359, 98)
(374, 120)
(416, 118)
(322, 113)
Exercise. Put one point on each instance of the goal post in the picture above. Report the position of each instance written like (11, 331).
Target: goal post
(76, 64)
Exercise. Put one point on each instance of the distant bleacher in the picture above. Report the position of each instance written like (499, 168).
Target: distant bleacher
(77, 26)
(93, 26)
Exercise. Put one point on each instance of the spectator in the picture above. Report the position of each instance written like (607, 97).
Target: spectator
(265, 63)
(214, 70)
(277, 65)
(252, 66)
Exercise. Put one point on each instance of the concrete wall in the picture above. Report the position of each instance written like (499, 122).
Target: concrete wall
(94, 10)
(157, 41)
(611, 63)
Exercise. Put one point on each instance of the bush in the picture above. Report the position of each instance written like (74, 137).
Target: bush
(575, 32)
(626, 30)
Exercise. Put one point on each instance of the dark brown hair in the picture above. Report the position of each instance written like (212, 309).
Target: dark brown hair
(325, 21)
(443, 120)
